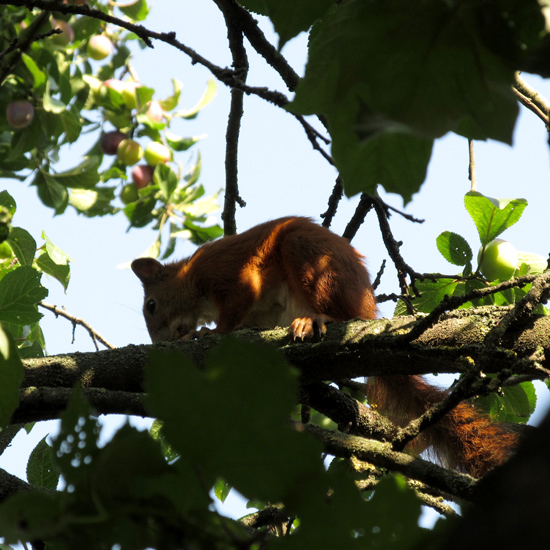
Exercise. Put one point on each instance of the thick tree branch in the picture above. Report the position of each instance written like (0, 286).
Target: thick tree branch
(382, 455)
(349, 350)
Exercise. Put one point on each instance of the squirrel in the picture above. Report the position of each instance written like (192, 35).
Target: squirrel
(294, 272)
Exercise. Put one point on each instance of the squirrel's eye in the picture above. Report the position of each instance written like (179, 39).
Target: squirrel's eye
(150, 306)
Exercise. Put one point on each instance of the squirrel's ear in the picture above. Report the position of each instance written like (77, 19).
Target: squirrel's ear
(147, 269)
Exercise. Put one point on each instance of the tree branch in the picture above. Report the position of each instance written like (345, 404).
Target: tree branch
(447, 347)
(240, 66)
(94, 335)
(532, 99)
(381, 454)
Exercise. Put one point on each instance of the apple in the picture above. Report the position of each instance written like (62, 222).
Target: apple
(19, 113)
(129, 93)
(115, 84)
(155, 111)
(109, 142)
(129, 152)
(142, 175)
(499, 260)
(129, 194)
(67, 32)
(99, 47)
(5, 251)
(155, 153)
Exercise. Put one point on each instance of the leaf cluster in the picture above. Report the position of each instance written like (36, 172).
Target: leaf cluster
(72, 103)
(154, 490)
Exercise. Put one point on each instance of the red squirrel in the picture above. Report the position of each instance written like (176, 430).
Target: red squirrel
(293, 272)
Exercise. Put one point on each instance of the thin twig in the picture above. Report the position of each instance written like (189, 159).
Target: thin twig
(333, 201)
(532, 99)
(94, 335)
(240, 66)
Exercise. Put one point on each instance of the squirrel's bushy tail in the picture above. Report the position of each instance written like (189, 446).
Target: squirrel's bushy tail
(464, 439)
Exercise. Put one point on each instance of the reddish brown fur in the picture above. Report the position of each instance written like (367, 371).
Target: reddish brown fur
(293, 272)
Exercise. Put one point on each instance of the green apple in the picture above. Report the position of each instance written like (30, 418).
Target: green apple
(67, 32)
(129, 93)
(129, 152)
(156, 153)
(129, 194)
(5, 251)
(115, 84)
(499, 260)
(19, 113)
(99, 47)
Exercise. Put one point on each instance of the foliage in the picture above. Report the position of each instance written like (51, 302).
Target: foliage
(128, 493)
(386, 78)
(72, 102)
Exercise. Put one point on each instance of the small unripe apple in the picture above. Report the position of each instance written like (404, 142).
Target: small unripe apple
(67, 34)
(155, 111)
(129, 194)
(5, 251)
(142, 175)
(115, 84)
(109, 142)
(500, 260)
(19, 113)
(156, 153)
(99, 47)
(129, 152)
(129, 93)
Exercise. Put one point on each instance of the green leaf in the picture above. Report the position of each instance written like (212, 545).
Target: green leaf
(492, 216)
(515, 404)
(137, 11)
(39, 77)
(420, 66)
(8, 202)
(535, 263)
(171, 102)
(221, 489)
(166, 179)
(51, 104)
(179, 143)
(41, 470)
(252, 388)
(432, 293)
(454, 248)
(83, 176)
(61, 272)
(93, 202)
(11, 376)
(56, 254)
(365, 164)
(206, 98)
(290, 17)
(51, 193)
(139, 213)
(20, 291)
(23, 245)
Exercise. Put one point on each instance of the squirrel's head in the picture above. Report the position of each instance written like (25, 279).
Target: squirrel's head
(167, 315)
